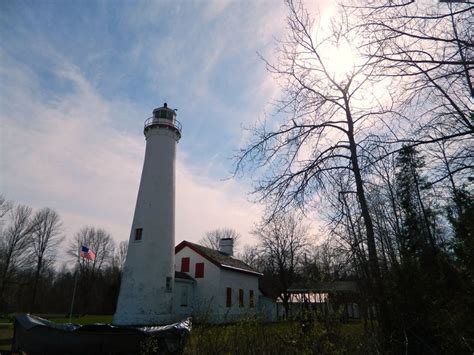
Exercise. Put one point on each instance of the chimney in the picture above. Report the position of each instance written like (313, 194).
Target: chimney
(226, 246)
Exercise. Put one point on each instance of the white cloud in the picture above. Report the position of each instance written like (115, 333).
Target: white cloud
(214, 8)
(204, 203)
(68, 155)
(80, 150)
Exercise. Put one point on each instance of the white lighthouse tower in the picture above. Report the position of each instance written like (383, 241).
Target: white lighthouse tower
(148, 278)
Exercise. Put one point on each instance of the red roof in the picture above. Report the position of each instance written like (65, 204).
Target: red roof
(218, 258)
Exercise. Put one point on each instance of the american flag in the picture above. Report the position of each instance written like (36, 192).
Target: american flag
(87, 253)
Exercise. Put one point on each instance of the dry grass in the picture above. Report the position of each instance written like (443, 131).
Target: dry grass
(253, 337)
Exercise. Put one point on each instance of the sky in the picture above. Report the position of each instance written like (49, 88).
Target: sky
(78, 79)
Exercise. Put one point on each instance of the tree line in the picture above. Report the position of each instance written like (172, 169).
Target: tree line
(31, 279)
(383, 152)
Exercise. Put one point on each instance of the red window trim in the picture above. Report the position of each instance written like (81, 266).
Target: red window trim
(199, 272)
(185, 264)
(251, 299)
(228, 300)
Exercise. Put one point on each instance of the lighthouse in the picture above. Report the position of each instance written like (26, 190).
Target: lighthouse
(146, 291)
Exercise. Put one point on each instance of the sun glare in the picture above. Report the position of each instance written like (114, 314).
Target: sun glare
(339, 60)
(338, 57)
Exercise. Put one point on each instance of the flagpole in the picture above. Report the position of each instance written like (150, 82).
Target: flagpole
(75, 286)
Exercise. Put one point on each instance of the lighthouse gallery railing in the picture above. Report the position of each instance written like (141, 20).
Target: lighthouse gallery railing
(162, 122)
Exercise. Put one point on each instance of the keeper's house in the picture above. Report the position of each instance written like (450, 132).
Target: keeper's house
(213, 286)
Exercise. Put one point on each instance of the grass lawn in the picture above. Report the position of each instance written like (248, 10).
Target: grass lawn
(249, 337)
(6, 335)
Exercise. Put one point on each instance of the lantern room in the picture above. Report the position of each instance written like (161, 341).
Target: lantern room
(164, 117)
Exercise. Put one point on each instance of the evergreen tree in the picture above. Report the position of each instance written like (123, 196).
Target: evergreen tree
(414, 279)
(417, 226)
(461, 217)
(426, 297)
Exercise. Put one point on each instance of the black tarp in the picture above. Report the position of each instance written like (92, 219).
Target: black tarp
(35, 335)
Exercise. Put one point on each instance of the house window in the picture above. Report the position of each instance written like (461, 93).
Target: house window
(228, 300)
(241, 297)
(251, 299)
(184, 264)
(184, 296)
(138, 233)
(199, 270)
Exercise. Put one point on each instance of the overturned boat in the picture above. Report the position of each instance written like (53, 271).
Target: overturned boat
(35, 335)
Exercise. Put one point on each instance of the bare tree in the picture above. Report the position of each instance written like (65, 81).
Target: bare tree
(429, 49)
(99, 241)
(211, 239)
(14, 243)
(283, 241)
(252, 256)
(102, 244)
(120, 255)
(5, 207)
(46, 236)
(329, 117)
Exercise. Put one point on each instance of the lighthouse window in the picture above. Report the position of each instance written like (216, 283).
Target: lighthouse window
(138, 233)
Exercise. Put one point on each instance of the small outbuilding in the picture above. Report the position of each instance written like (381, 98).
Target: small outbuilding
(323, 298)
